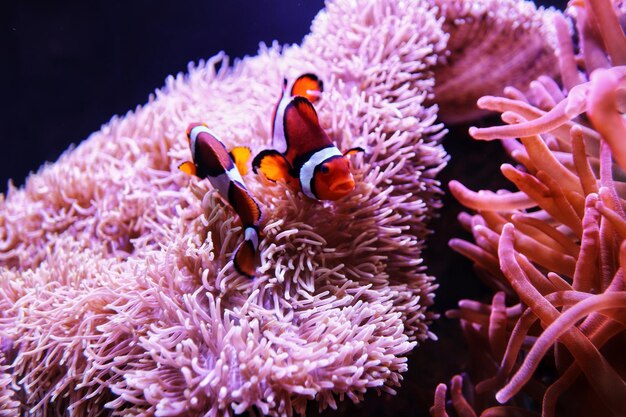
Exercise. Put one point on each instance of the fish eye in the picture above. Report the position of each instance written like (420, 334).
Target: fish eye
(324, 169)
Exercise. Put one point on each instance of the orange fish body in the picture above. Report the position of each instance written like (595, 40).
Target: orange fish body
(303, 155)
(211, 160)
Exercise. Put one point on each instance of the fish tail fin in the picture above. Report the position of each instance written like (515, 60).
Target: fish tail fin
(245, 256)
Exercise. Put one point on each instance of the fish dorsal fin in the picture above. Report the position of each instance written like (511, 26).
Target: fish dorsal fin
(303, 132)
(188, 167)
(298, 112)
(309, 86)
(304, 107)
(241, 156)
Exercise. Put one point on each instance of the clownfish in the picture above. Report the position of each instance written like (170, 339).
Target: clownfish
(223, 169)
(303, 155)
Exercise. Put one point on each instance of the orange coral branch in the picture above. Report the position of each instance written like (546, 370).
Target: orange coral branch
(548, 234)
(497, 326)
(475, 253)
(461, 406)
(595, 367)
(603, 112)
(486, 200)
(585, 276)
(575, 175)
(439, 408)
(543, 159)
(583, 169)
(613, 388)
(610, 29)
(565, 53)
(550, 199)
(538, 121)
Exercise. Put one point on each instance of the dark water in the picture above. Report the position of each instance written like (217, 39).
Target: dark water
(68, 66)
(72, 65)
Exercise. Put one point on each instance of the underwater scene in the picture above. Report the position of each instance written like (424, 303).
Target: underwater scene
(346, 208)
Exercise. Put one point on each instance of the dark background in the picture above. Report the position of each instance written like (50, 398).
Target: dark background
(72, 65)
(69, 66)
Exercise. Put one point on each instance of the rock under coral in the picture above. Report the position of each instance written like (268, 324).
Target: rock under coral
(116, 290)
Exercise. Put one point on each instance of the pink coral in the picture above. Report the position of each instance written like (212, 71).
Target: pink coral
(555, 248)
(116, 290)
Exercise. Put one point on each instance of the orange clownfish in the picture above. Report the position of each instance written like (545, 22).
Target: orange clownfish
(211, 160)
(303, 155)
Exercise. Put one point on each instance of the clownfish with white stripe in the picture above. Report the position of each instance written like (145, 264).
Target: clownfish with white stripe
(223, 169)
(303, 155)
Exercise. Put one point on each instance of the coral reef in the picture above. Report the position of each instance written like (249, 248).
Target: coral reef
(492, 44)
(117, 295)
(554, 250)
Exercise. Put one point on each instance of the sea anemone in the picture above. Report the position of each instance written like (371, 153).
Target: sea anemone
(492, 44)
(554, 250)
(117, 294)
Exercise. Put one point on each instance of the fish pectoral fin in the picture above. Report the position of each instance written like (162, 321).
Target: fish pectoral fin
(272, 164)
(188, 167)
(309, 86)
(353, 151)
(241, 156)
